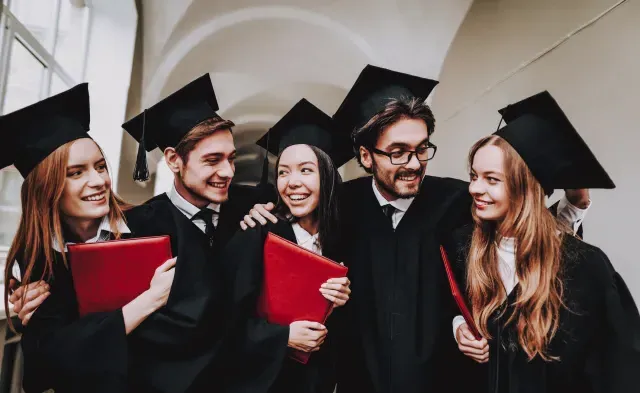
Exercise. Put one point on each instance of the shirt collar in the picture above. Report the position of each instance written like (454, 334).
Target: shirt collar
(103, 234)
(185, 206)
(302, 236)
(401, 204)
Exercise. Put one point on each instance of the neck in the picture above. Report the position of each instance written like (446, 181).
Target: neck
(80, 230)
(309, 224)
(189, 196)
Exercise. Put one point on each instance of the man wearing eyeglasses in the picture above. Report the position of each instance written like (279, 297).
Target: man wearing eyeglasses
(395, 333)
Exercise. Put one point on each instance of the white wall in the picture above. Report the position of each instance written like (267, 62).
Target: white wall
(108, 71)
(594, 77)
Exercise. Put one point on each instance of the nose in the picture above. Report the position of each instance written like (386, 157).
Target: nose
(476, 188)
(227, 170)
(413, 163)
(294, 180)
(96, 179)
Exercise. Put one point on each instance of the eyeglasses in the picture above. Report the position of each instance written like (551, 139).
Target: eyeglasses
(402, 157)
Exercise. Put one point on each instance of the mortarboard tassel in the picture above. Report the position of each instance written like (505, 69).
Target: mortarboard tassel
(141, 169)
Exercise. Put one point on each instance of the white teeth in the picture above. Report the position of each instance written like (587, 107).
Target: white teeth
(408, 178)
(94, 198)
(218, 185)
(298, 197)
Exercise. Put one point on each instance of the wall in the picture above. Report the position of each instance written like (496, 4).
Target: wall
(594, 77)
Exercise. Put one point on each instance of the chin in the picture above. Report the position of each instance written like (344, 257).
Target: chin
(96, 212)
(217, 195)
(299, 211)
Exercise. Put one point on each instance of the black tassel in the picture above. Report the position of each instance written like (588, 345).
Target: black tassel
(141, 169)
(264, 178)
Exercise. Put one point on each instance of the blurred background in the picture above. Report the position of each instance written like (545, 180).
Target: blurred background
(264, 55)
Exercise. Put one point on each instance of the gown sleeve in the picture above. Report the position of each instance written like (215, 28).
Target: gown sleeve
(614, 364)
(259, 347)
(72, 354)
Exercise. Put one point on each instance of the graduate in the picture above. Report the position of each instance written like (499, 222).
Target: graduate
(67, 198)
(556, 314)
(309, 150)
(179, 348)
(395, 332)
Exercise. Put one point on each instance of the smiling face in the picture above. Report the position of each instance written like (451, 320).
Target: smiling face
(208, 169)
(87, 184)
(298, 180)
(398, 181)
(488, 185)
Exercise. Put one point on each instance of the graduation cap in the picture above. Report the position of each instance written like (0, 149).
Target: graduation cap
(167, 122)
(543, 136)
(371, 92)
(306, 124)
(34, 132)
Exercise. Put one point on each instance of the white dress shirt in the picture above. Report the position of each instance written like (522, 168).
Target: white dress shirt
(401, 204)
(306, 240)
(190, 210)
(567, 213)
(103, 234)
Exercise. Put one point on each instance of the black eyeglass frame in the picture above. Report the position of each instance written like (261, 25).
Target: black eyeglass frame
(409, 157)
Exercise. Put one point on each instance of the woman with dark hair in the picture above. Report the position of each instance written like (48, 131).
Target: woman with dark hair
(307, 182)
(557, 316)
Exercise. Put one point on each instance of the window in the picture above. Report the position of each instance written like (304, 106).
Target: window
(42, 52)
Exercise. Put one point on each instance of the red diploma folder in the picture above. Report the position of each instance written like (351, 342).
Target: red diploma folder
(457, 295)
(290, 290)
(108, 275)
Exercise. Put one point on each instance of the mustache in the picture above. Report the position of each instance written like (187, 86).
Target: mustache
(405, 172)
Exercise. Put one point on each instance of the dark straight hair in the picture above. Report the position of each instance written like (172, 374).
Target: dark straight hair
(327, 210)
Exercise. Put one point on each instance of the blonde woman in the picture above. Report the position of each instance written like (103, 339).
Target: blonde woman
(556, 314)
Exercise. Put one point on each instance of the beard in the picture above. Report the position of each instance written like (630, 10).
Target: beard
(388, 181)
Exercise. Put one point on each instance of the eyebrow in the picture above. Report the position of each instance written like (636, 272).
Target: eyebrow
(488, 172)
(299, 164)
(217, 155)
(78, 166)
(402, 144)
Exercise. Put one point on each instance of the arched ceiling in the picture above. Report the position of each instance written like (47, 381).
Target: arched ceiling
(264, 55)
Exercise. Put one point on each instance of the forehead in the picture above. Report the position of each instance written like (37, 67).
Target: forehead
(410, 132)
(296, 154)
(83, 151)
(220, 142)
(489, 159)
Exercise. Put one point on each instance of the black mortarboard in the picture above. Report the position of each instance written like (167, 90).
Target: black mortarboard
(371, 92)
(543, 136)
(34, 132)
(167, 122)
(306, 124)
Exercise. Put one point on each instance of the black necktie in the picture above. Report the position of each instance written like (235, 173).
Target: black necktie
(388, 211)
(207, 215)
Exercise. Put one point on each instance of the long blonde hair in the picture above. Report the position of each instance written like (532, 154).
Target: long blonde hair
(40, 221)
(537, 254)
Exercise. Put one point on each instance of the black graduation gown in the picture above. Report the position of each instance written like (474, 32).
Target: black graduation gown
(261, 363)
(68, 353)
(395, 332)
(179, 348)
(598, 341)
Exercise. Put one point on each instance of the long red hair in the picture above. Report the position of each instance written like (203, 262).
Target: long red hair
(40, 221)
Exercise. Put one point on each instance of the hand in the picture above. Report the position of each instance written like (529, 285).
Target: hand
(477, 350)
(161, 283)
(578, 197)
(306, 336)
(25, 306)
(259, 213)
(336, 290)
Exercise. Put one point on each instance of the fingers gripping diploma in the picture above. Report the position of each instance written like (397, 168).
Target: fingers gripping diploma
(336, 290)
(477, 350)
(306, 336)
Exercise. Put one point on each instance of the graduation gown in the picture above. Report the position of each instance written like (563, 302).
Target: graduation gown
(261, 363)
(179, 348)
(598, 341)
(68, 353)
(395, 332)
